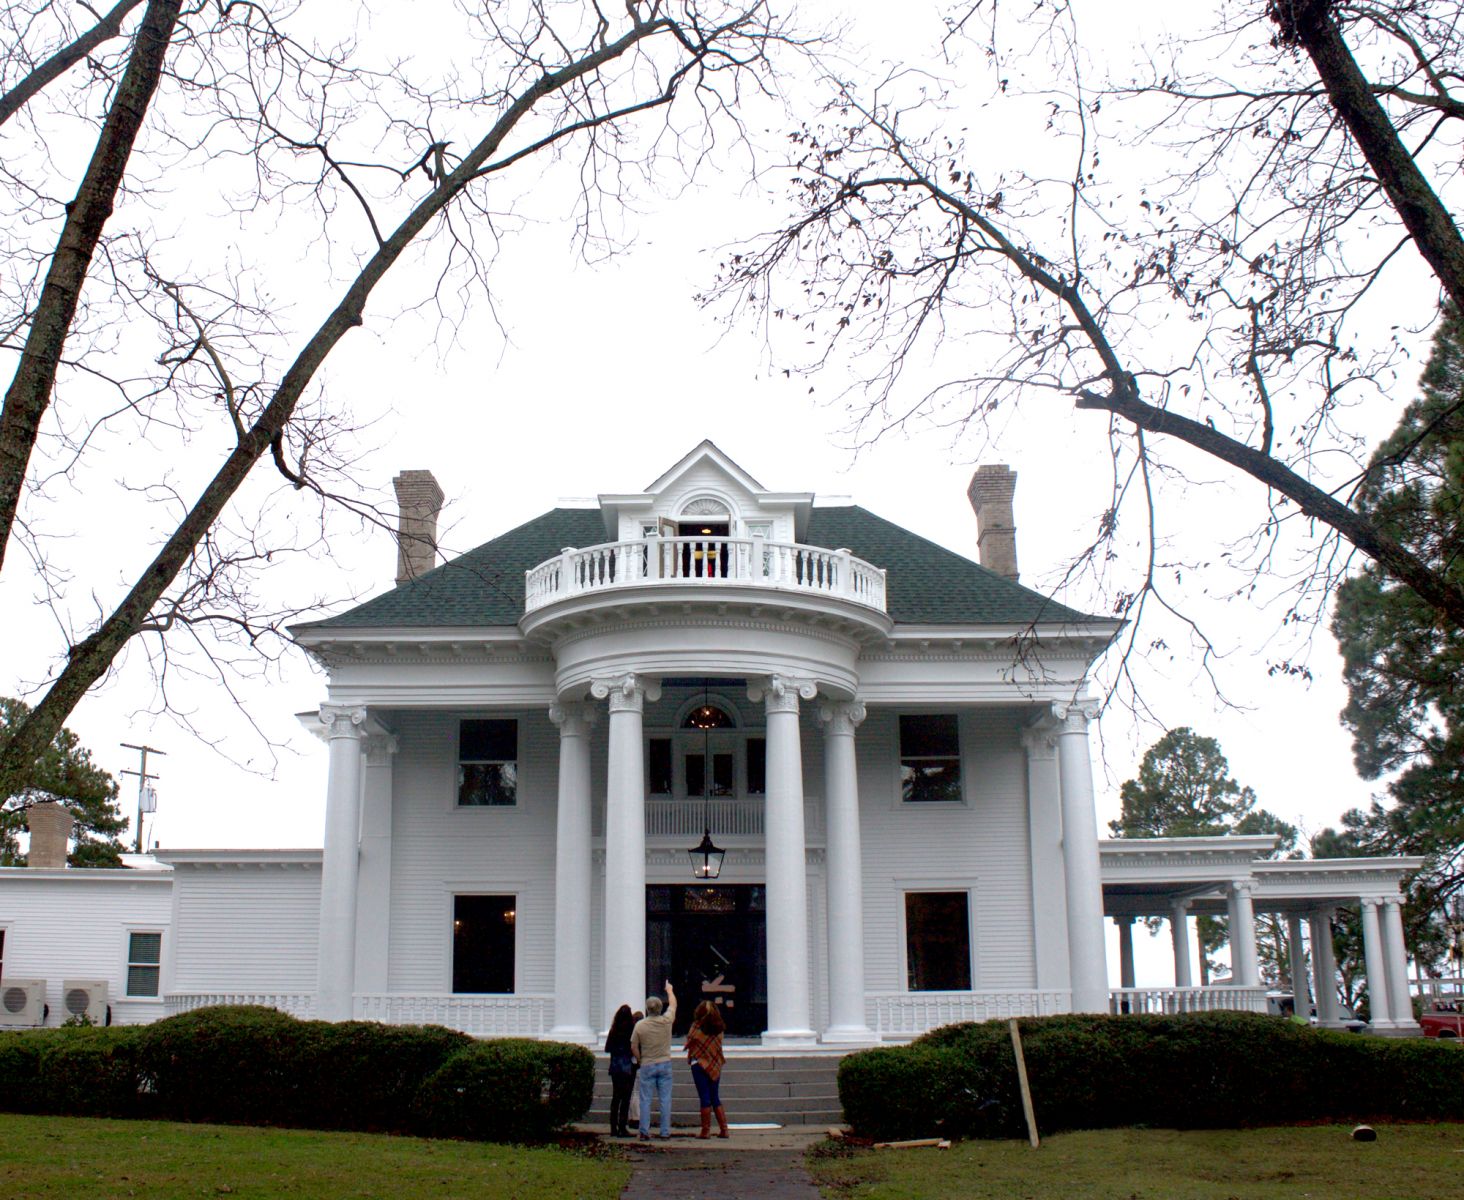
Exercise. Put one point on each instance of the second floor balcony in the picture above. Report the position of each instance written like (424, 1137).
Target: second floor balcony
(716, 562)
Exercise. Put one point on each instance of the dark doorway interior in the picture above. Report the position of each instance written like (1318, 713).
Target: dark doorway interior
(711, 943)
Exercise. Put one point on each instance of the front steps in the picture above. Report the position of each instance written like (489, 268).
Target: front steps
(778, 1090)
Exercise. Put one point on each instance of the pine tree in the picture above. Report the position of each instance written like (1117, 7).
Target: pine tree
(65, 773)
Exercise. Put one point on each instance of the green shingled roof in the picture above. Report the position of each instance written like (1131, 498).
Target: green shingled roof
(926, 584)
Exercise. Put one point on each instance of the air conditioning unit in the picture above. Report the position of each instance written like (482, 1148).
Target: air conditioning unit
(22, 1002)
(84, 998)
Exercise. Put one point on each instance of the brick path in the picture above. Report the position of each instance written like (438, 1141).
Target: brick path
(761, 1168)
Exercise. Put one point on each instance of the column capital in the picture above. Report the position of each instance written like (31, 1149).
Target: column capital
(781, 692)
(1074, 716)
(627, 692)
(1039, 739)
(1125, 919)
(1243, 887)
(1373, 902)
(841, 717)
(379, 749)
(1180, 905)
(343, 720)
(1391, 901)
(574, 718)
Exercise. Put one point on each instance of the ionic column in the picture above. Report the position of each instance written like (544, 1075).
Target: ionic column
(373, 897)
(572, 875)
(1299, 991)
(340, 863)
(625, 840)
(1125, 951)
(1376, 964)
(790, 1008)
(1324, 969)
(1087, 952)
(845, 876)
(1179, 934)
(1395, 955)
(1245, 967)
(1044, 829)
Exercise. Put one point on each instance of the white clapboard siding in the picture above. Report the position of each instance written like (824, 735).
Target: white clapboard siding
(74, 924)
(246, 927)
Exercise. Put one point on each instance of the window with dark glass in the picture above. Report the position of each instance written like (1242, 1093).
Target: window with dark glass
(930, 758)
(144, 963)
(488, 763)
(482, 943)
(757, 767)
(658, 767)
(937, 942)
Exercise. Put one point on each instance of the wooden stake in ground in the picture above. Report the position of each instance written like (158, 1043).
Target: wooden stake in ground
(1026, 1088)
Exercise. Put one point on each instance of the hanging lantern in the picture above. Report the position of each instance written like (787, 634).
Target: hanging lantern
(706, 859)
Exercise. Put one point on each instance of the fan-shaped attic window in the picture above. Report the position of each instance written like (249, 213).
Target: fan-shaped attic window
(707, 716)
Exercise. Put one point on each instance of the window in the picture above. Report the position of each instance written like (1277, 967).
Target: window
(488, 763)
(757, 767)
(482, 943)
(658, 767)
(937, 942)
(930, 759)
(144, 964)
(2, 953)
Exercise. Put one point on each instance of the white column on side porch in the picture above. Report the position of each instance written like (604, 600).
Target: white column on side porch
(1380, 1008)
(1044, 829)
(1299, 992)
(1324, 969)
(572, 875)
(625, 839)
(844, 877)
(1179, 933)
(1125, 951)
(1245, 967)
(340, 863)
(1395, 962)
(790, 1007)
(1087, 950)
(373, 898)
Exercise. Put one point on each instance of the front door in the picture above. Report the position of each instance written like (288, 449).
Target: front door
(711, 943)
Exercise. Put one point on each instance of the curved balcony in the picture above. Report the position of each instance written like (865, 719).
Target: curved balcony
(705, 562)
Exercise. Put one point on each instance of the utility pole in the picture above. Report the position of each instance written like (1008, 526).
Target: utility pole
(142, 778)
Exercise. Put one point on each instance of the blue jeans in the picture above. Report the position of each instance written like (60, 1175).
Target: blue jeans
(708, 1090)
(655, 1079)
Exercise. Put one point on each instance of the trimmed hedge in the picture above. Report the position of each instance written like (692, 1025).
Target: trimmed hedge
(1206, 1070)
(511, 1090)
(259, 1066)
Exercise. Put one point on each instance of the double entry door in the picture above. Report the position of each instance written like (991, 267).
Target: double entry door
(711, 943)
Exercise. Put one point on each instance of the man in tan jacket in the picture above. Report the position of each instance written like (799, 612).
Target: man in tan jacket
(650, 1046)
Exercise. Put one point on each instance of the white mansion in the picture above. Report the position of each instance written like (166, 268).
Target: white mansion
(790, 756)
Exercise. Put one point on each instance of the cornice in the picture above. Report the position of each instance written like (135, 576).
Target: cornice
(695, 620)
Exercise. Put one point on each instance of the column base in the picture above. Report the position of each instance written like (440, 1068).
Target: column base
(579, 1035)
(1396, 1029)
(790, 1039)
(849, 1035)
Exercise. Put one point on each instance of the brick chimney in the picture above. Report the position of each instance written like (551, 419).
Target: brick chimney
(991, 491)
(50, 828)
(419, 500)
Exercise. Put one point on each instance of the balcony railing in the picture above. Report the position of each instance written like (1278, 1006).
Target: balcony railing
(709, 562)
(898, 1015)
(1162, 1001)
(481, 1016)
(297, 1004)
(726, 816)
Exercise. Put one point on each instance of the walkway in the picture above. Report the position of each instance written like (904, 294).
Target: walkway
(750, 1165)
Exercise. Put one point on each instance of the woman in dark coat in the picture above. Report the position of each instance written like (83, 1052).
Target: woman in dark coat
(622, 1070)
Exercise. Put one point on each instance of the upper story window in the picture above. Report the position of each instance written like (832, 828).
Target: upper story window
(930, 758)
(144, 963)
(488, 763)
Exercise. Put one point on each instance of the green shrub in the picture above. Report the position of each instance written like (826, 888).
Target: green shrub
(1207, 1070)
(21, 1090)
(92, 1072)
(513, 1090)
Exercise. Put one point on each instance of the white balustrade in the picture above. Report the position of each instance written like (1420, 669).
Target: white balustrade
(895, 1016)
(1166, 1001)
(481, 1016)
(718, 562)
(297, 1004)
(727, 818)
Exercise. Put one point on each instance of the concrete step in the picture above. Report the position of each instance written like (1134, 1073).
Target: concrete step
(779, 1089)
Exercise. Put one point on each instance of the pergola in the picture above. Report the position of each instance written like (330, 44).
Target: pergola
(1177, 878)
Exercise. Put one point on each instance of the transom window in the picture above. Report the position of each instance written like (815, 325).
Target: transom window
(930, 758)
(488, 763)
(937, 941)
(144, 963)
(483, 943)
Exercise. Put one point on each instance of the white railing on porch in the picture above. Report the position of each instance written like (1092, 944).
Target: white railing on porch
(1162, 1001)
(896, 1015)
(711, 562)
(481, 1016)
(728, 818)
(297, 1004)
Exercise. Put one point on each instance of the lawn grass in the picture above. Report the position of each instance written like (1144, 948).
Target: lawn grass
(1407, 1162)
(46, 1157)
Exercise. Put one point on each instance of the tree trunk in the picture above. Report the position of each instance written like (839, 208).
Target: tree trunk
(35, 377)
(64, 59)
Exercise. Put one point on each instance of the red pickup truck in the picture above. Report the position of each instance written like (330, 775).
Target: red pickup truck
(1443, 1021)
